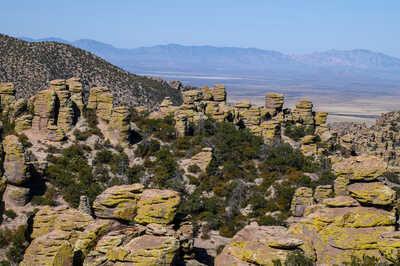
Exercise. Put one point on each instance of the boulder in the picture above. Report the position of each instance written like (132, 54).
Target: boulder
(274, 101)
(302, 198)
(15, 196)
(341, 201)
(323, 192)
(258, 245)
(157, 206)
(389, 246)
(120, 124)
(147, 250)
(76, 89)
(44, 107)
(23, 123)
(118, 202)
(218, 93)
(60, 218)
(15, 167)
(7, 94)
(357, 168)
(52, 249)
(372, 193)
(202, 159)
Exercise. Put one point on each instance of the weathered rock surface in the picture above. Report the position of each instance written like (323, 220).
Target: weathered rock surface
(15, 167)
(157, 206)
(118, 202)
(258, 245)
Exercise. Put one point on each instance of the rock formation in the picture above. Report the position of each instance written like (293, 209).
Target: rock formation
(61, 234)
(267, 121)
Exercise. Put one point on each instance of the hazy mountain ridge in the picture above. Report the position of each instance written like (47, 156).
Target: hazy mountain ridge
(31, 65)
(253, 57)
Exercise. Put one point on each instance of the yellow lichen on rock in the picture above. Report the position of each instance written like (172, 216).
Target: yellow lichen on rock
(157, 206)
(119, 202)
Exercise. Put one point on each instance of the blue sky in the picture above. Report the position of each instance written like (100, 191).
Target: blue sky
(288, 26)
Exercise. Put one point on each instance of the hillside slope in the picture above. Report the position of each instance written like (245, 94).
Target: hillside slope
(31, 65)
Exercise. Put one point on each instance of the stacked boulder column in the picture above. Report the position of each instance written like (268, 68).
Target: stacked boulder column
(115, 121)
(16, 172)
(62, 233)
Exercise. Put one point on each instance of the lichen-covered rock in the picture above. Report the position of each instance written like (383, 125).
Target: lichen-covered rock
(88, 239)
(258, 245)
(372, 193)
(60, 218)
(320, 118)
(120, 124)
(303, 113)
(202, 159)
(323, 192)
(44, 104)
(58, 85)
(302, 198)
(366, 168)
(101, 100)
(16, 196)
(157, 206)
(15, 167)
(55, 133)
(218, 93)
(7, 94)
(340, 185)
(3, 185)
(191, 96)
(147, 250)
(118, 202)
(76, 89)
(23, 123)
(274, 101)
(341, 201)
(389, 246)
(52, 249)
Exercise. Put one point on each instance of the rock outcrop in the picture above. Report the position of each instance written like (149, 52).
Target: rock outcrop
(61, 234)
(258, 245)
(266, 121)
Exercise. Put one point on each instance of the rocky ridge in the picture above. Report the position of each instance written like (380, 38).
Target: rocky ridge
(30, 66)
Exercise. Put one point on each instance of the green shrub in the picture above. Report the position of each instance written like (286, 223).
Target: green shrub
(297, 132)
(81, 135)
(10, 214)
(47, 199)
(297, 258)
(194, 168)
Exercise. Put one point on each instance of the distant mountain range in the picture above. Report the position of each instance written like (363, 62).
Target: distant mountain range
(333, 68)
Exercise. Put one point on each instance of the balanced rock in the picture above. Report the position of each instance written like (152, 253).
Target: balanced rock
(118, 202)
(218, 93)
(76, 89)
(157, 206)
(44, 104)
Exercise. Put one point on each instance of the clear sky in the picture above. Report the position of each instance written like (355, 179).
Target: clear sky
(297, 26)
